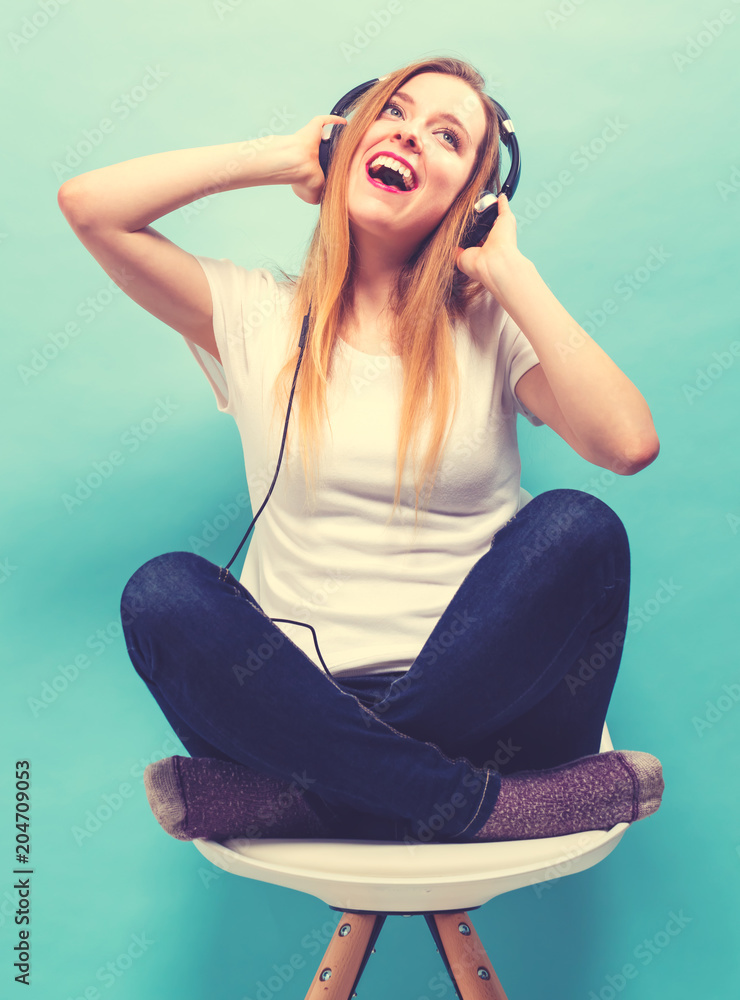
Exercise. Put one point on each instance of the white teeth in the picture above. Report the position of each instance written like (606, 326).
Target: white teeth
(389, 161)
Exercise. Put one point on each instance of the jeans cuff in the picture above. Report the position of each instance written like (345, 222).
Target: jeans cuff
(490, 794)
(448, 823)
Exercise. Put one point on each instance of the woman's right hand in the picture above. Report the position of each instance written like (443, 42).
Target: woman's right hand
(311, 181)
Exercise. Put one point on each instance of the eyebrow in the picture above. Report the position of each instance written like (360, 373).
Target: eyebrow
(443, 115)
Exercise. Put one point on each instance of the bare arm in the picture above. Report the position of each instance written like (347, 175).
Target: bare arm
(110, 211)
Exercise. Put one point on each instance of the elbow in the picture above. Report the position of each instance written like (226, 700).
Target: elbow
(638, 457)
(64, 197)
(69, 200)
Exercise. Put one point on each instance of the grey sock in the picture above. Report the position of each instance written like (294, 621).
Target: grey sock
(591, 793)
(216, 799)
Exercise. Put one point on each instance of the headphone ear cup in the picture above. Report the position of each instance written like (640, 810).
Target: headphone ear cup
(327, 146)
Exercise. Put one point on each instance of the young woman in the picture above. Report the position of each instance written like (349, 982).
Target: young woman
(462, 659)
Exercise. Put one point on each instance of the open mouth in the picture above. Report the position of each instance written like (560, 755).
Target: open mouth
(386, 172)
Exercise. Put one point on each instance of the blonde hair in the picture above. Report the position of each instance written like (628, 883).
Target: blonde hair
(429, 294)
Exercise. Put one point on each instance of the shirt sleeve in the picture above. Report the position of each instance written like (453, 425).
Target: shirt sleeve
(241, 299)
(520, 357)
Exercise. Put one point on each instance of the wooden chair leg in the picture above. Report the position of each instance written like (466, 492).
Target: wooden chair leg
(464, 956)
(346, 956)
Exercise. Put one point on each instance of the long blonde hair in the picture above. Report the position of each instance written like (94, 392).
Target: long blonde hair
(429, 294)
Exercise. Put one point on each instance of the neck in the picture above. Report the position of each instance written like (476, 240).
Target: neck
(375, 274)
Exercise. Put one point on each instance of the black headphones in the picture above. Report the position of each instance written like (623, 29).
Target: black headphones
(485, 212)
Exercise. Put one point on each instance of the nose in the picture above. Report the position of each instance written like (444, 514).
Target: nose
(408, 135)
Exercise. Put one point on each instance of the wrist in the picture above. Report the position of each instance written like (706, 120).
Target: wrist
(507, 273)
(269, 159)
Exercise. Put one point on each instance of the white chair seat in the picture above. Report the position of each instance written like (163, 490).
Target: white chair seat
(393, 877)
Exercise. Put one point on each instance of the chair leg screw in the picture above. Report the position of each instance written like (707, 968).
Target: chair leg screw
(344, 930)
(326, 974)
(463, 928)
(484, 973)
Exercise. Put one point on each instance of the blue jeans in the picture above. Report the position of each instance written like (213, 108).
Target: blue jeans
(516, 674)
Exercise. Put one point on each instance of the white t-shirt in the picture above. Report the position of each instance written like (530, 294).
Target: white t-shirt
(373, 592)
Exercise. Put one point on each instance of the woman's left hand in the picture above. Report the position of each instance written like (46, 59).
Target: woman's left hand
(498, 249)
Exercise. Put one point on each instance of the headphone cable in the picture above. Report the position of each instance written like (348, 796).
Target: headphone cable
(302, 344)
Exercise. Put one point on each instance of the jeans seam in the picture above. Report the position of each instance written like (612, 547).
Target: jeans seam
(480, 805)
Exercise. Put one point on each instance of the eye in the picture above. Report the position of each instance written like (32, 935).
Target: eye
(447, 131)
(455, 136)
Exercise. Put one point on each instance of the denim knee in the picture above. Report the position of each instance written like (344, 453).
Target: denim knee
(160, 577)
(586, 519)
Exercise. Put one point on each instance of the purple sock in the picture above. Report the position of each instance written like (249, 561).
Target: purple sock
(216, 799)
(592, 793)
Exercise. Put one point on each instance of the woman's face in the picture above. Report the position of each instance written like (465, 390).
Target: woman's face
(434, 123)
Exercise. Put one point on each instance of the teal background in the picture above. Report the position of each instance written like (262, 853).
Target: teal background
(670, 181)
